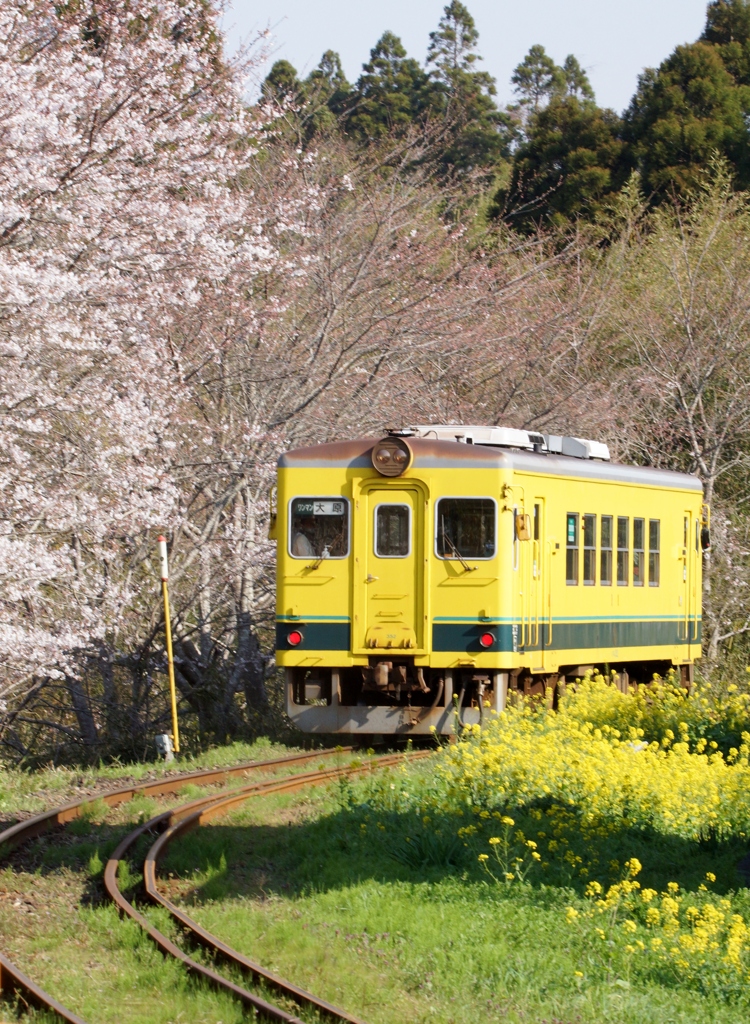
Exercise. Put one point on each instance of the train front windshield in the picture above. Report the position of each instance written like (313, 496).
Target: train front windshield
(319, 528)
(466, 528)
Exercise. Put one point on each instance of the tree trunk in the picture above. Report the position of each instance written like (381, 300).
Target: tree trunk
(86, 724)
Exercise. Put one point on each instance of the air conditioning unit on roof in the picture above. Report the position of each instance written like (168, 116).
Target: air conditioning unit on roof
(509, 437)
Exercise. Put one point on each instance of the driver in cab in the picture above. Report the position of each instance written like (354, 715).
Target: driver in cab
(302, 545)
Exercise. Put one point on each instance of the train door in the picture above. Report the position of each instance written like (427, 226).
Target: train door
(693, 573)
(394, 557)
(534, 587)
(538, 587)
(688, 593)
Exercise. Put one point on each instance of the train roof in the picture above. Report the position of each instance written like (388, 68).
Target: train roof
(430, 453)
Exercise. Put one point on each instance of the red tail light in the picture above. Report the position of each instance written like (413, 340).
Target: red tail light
(294, 638)
(486, 639)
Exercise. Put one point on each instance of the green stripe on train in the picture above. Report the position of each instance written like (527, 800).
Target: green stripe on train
(566, 636)
(464, 636)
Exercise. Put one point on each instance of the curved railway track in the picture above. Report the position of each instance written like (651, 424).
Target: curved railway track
(175, 822)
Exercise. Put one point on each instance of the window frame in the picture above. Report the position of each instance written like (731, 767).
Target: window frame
(654, 552)
(319, 497)
(609, 550)
(639, 551)
(385, 504)
(626, 550)
(573, 547)
(466, 558)
(585, 548)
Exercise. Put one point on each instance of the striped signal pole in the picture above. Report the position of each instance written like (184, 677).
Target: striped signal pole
(168, 633)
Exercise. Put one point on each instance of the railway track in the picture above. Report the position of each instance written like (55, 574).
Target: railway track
(171, 824)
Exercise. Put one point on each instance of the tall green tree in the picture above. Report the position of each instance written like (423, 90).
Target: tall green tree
(328, 95)
(391, 93)
(682, 115)
(281, 83)
(480, 133)
(728, 28)
(569, 163)
(328, 83)
(537, 78)
(576, 80)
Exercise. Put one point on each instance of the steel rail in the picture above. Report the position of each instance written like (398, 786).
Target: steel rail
(194, 814)
(15, 981)
(186, 821)
(40, 823)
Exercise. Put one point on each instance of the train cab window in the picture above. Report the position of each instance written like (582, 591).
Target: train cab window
(623, 550)
(653, 552)
(639, 530)
(605, 560)
(392, 531)
(571, 549)
(319, 528)
(589, 551)
(465, 528)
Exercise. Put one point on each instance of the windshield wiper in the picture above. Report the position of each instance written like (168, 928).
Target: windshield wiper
(456, 553)
(324, 554)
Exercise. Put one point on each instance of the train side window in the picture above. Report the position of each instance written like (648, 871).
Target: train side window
(639, 531)
(392, 531)
(623, 550)
(589, 550)
(537, 516)
(654, 544)
(465, 528)
(571, 550)
(319, 528)
(605, 562)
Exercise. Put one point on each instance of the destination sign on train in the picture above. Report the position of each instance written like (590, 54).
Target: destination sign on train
(319, 508)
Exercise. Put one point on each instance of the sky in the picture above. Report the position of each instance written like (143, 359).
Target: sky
(613, 39)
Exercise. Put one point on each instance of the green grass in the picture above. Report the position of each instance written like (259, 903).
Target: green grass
(108, 971)
(33, 791)
(305, 889)
(348, 893)
(57, 925)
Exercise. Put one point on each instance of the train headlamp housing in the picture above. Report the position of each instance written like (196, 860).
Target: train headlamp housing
(392, 456)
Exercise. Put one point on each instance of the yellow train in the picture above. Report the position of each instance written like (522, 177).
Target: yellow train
(455, 564)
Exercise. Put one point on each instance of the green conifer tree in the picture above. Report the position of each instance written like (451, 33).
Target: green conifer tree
(576, 80)
(281, 83)
(328, 95)
(481, 133)
(537, 78)
(569, 163)
(391, 92)
(728, 28)
(682, 114)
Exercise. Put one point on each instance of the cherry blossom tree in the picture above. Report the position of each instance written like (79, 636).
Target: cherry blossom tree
(123, 138)
(186, 291)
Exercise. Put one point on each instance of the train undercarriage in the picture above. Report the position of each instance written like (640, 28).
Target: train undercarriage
(393, 695)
